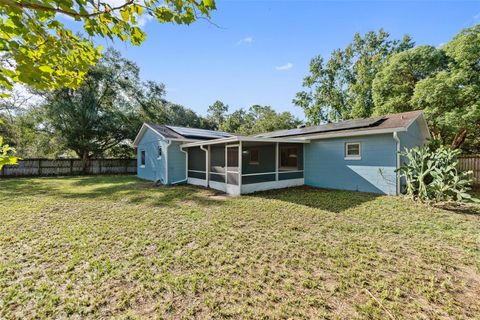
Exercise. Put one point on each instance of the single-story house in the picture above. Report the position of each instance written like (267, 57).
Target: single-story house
(358, 155)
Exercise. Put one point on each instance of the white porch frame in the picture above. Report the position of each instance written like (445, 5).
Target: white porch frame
(238, 142)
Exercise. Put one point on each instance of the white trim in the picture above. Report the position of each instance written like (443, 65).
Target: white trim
(146, 126)
(277, 155)
(186, 162)
(397, 140)
(197, 171)
(257, 174)
(290, 171)
(197, 182)
(207, 162)
(240, 164)
(217, 173)
(262, 186)
(352, 134)
(218, 185)
(169, 142)
(142, 166)
(233, 190)
(354, 156)
(244, 138)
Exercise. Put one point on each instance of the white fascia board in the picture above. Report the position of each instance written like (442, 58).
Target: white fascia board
(144, 128)
(353, 133)
(245, 139)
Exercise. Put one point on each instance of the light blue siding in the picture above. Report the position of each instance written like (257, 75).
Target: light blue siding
(326, 167)
(154, 168)
(176, 163)
(412, 137)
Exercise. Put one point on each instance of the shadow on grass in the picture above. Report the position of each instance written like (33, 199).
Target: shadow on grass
(115, 188)
(328, 200)
(461, 208)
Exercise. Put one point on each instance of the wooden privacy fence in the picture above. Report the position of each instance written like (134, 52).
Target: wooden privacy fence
(56, 167)
(471, 163)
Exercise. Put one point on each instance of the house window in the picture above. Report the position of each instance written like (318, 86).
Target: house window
(159, 155)
(253, 156)
(142, 158)
(353, 151)
(289, 158)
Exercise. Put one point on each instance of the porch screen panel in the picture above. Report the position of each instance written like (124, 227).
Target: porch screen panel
(258, 178)
(265, 159)
(232, 159)
(196, 159)
(290, 175)
(197, 175)
(217, 159)
(290, 156)
(217, 177)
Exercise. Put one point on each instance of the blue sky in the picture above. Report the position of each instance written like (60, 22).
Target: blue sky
(261, 51)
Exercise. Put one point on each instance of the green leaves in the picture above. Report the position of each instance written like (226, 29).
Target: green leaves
(432, 175)
(46, 55)
(341, 88)
(6, 154)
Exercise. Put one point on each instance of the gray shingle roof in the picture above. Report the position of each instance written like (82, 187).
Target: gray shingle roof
(399, 120)
(176, 132)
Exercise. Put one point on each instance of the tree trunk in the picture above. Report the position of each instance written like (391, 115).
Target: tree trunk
(459, 138)
(85, 162)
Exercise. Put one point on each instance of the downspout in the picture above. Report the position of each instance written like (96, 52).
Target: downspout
(397, 139)
(186, 167)
(207, 165)
(166, 161)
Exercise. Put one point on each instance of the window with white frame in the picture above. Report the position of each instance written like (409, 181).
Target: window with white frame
(353, 151)
(142, 158)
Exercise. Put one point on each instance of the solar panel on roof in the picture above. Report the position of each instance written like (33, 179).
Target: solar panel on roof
(193, 132)
(344, 125)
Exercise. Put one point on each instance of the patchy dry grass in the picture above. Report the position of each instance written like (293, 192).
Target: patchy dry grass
(90, 247)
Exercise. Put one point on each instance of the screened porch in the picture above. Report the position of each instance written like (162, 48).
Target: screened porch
(242, 165)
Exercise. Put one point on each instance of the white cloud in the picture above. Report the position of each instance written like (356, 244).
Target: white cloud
(285, 67)
(143, 19)
(246, 40)
(477, 16)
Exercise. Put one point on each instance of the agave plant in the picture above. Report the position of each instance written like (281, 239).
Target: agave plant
(432, 175)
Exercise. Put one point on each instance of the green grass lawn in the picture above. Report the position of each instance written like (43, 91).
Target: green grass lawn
(91, 247)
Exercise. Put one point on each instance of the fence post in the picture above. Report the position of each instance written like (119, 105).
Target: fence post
(39, 167)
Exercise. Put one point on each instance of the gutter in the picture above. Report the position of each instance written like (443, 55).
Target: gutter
(397, 139)
(186, 167)
(166, 160)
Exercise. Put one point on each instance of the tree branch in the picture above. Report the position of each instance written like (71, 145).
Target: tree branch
(73, 14)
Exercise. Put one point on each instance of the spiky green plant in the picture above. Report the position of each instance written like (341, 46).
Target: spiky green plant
(432, 175)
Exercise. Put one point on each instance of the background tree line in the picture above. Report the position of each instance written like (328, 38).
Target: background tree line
(375, 75)
(102, 116)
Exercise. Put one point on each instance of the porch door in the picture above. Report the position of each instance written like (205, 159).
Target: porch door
(231, 166)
